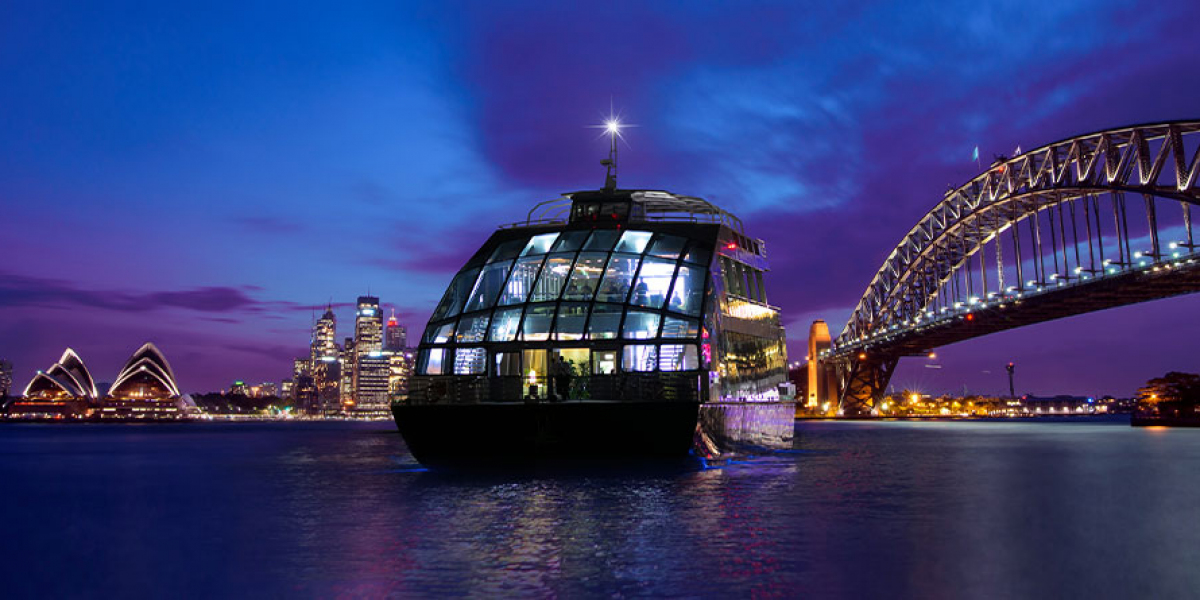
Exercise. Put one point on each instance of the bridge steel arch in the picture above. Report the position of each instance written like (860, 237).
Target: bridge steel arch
(1039, 236)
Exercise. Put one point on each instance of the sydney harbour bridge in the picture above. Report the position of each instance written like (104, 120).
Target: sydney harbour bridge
(1087, 223)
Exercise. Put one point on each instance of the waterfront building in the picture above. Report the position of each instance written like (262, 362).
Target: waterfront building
(145, 389)
(397, 334)
(368, 326)
(6, 371)
(307, 400)
(324, 337)
(65, 390)
(287, 389)
(371, 386)
(238, 388)
(347, 363)
(267, 389)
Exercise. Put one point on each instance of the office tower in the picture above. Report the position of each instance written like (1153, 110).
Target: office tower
(239, 389)
(324, 338)
(397, 334)
(368, 326)
(347, 362)
(372, 385)
(324, 367)
(306, 396)
(287, 389)
(5, 377)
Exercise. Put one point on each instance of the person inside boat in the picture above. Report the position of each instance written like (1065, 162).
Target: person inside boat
(562, 377)
(641, 294)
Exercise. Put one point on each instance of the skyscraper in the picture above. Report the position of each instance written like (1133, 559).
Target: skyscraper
(397, 334)
(324, 338)
(324, 368)
(5, 377)
(371, 367)
(347, 362)
(368, 326)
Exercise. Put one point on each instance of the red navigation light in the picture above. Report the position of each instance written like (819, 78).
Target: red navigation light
(970, 317)
(731, 246)
(1002, 169)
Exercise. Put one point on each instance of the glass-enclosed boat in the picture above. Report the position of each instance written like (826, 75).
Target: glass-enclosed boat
(608, 323)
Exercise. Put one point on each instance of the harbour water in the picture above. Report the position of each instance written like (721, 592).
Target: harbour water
(1087, 508)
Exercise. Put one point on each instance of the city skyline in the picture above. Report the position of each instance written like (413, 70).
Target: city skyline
(358, 127)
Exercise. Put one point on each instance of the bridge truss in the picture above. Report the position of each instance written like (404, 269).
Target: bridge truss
(1087, 223)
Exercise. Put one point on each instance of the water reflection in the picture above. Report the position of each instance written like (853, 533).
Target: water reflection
(855, 509)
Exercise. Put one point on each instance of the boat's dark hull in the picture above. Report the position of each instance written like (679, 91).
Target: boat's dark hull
(481, 434)
(456, 434)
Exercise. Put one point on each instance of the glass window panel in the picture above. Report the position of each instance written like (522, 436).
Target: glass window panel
(585, 276)
(570, 241)
(470, 361)
(537, 323)
(639, 358)
(688, 292)
(618, 278)
(540, 244)
(433, 359)
(452, 302)
(633, 241)
(439, 333)
(653, 282)
(534, 375)
(504, 326)
(508, 250)
(488, 287)
(473, 328)
(508, 364)
(606, 318)
(577, 359)
(675, 328)
(604, 362)
(762, 291)
(602, 239)
(698, 255)
(520, 282)
(735, 283)
(678, 357)
(667, 246)
(571, 318)
(554, 275)
(641, 325)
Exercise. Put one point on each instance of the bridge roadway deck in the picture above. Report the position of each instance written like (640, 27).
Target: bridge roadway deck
(1109, 291)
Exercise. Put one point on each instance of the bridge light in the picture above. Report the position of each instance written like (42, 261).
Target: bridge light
(862, 356)
(1172, 245)
(1137, 254)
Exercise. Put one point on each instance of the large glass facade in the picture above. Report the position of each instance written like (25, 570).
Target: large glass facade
(623, 288)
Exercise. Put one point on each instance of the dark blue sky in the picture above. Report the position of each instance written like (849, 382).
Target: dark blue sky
(202, 176)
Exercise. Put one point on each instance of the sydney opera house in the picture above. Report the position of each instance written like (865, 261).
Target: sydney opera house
(145, 388)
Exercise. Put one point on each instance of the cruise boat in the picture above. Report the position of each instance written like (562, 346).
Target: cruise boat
(609, 323)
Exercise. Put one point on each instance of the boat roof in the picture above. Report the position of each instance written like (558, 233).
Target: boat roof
(647, 206)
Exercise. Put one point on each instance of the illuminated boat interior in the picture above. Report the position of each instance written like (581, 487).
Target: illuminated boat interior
(611, 295)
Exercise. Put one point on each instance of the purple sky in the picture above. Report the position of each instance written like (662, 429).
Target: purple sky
(202, 180)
